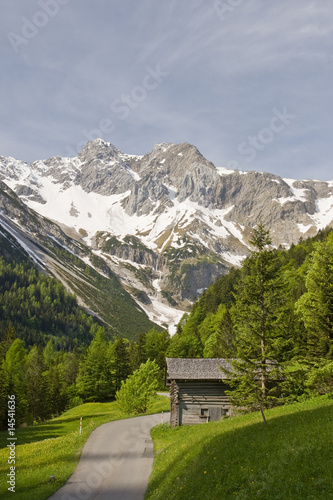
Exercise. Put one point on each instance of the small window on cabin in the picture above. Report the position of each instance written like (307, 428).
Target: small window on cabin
(204, 412)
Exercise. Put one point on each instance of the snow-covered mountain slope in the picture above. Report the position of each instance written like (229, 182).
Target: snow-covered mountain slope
(24, 232)
(168, 222)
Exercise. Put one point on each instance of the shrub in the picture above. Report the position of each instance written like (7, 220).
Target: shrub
(137, 392)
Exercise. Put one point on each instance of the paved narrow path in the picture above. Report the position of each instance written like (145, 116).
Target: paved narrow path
(116, 462)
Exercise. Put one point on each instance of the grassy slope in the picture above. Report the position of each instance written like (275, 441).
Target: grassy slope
(54, 448)
(289, 458)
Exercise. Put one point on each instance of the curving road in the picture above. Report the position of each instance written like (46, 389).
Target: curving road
(116, 462)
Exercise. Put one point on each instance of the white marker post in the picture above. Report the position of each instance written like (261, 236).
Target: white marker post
(80, 425)
(162, 418)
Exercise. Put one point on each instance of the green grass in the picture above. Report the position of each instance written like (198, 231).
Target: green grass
(289, 458)
(54, 448)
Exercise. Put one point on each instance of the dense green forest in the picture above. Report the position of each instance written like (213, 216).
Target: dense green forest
(46, 380)
(39, 308)
(303, 312)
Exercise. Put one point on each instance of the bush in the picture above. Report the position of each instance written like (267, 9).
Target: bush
(137, 392)
(320, 379)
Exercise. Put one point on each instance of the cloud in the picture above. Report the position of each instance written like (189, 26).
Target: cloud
(225, 78)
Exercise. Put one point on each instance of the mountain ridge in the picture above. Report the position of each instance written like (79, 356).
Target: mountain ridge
(169, 222)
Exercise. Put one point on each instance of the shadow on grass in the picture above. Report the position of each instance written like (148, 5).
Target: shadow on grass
(47, 430)
(289, 458)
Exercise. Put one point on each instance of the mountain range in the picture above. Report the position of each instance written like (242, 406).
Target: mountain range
(163, 225)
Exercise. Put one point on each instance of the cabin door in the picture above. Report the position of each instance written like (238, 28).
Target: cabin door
(215, 413)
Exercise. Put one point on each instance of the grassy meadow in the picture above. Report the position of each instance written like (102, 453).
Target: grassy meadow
(53, 448)
(289, 458)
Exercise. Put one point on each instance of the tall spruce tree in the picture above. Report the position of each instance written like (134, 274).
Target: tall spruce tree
(120, 364)
(7, 340)
(94, 381)
(254, 314)
(14, 378)
(36, 385)
(316, 304)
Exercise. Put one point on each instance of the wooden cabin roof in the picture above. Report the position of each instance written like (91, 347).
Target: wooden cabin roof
(197, 368)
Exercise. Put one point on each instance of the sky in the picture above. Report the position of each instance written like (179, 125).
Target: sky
(248, 82)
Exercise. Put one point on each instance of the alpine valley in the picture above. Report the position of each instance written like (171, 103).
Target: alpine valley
(148, 232)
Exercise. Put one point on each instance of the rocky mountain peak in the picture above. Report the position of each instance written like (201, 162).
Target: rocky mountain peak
(98, 149)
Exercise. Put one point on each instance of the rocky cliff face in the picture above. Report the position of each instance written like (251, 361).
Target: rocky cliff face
(168, 222)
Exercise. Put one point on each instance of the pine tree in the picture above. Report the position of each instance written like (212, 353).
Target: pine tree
(94, 381)
(137, 351)
(316, 304)
(13, 380)
(220, 341)
(56, 396)
(36, 386)
(156, 346)
(54, 375)
(257, 300)
(120, 362)
(7, 340)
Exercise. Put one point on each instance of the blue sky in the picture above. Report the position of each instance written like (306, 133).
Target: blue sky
(248, 82)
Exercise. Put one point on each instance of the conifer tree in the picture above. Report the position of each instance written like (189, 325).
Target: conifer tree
(36, 386)
(13, 380)
(137, 351)
(6, 342)
(94, 381)
(54, 375)
(120, 362)
(316, 304)
(257, 298)
(156, 346)
(216, 333)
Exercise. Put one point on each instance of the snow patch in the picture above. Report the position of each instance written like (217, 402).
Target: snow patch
(297, 193)
(235, 260)
(304, 228)
(133, 174)
(224, 171)
(163, 314)
(324, 214)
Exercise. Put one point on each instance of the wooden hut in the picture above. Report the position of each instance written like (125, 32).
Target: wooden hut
(197, 390)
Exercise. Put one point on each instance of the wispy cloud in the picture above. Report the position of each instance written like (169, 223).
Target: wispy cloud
(225, 77)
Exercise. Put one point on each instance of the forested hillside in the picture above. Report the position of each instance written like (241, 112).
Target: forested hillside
(36, 305)
(53, 354)
(303, 308)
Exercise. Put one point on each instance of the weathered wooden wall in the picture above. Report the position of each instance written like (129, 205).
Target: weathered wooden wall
(174, 406)
(196, 402)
